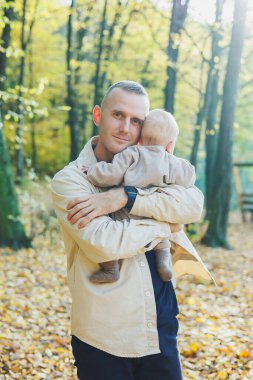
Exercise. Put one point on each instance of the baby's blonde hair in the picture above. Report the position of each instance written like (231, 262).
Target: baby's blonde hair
(160, 128)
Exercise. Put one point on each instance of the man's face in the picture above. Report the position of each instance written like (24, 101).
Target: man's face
(120, 121)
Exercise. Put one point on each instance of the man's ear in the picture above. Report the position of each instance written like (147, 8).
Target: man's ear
(97, 115)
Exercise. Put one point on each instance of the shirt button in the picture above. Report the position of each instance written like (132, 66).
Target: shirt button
(149, 324)
(142, 264)
(147, 294)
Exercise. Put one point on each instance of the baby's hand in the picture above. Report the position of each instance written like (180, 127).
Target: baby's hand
(85, 168)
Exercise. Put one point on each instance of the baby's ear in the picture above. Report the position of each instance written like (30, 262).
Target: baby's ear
(170, 147)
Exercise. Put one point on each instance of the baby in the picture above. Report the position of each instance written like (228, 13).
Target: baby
(142, 166)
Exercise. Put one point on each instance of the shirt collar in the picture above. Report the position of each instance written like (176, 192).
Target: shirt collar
(87, 154)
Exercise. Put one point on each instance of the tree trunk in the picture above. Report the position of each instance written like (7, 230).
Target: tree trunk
(211, 146)
(6, 35)
(98, 61)
(120, 42)
(20, 105)
(216, 234)
(108, 48)
(211, 91)
(199, 122)
(211, 132)
(179, 12)
(80, 35)
(145, 71)
(70, 101)
(33, 125)
(12, 232)
(80, 107)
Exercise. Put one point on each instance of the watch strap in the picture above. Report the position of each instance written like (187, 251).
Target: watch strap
(131, 192)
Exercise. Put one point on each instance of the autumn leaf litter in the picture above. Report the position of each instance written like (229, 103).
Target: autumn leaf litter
(215, 337)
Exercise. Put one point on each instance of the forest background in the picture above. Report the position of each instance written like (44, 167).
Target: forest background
(57, 58)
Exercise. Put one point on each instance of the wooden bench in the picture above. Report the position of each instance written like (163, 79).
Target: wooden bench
(245, 198)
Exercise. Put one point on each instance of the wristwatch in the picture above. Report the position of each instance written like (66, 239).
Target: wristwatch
(131, 193)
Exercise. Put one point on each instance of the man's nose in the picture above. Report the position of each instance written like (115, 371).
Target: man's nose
(125, 126)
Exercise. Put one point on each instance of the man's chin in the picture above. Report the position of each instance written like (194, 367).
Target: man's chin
(119, 147)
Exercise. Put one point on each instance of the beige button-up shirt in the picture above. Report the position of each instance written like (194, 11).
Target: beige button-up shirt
(120, 317)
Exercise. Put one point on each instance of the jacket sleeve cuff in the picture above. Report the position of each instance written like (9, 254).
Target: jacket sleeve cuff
(142, 206)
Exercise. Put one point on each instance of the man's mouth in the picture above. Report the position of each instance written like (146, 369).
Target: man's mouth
(121, 139)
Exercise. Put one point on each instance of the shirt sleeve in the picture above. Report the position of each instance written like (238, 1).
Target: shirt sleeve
(103, 239)
(104, 174)
(172, 204)
(180, 172)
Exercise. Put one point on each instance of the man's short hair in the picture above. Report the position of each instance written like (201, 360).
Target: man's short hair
(126, 85)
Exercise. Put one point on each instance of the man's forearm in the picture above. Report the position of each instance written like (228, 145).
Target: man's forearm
(104, 239)
(92, 206)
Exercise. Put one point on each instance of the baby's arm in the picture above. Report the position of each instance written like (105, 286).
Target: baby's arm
(181, 172)
(104, 174)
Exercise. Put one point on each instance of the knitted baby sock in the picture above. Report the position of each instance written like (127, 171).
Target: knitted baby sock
(109, 272)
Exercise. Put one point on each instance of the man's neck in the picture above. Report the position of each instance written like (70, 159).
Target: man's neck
(100, 153)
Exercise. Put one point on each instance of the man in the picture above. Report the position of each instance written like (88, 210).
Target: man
(126, 330)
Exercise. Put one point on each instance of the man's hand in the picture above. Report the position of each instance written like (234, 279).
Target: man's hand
(90, 206)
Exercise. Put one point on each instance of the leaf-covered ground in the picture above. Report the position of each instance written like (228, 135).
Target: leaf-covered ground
(216, 334)
(216, 331)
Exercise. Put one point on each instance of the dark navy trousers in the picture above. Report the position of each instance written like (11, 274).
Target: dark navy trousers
(94, 364)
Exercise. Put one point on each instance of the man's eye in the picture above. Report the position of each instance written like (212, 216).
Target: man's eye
(137, 122)
(117, 114)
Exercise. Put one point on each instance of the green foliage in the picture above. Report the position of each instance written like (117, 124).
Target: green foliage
(135, 50)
